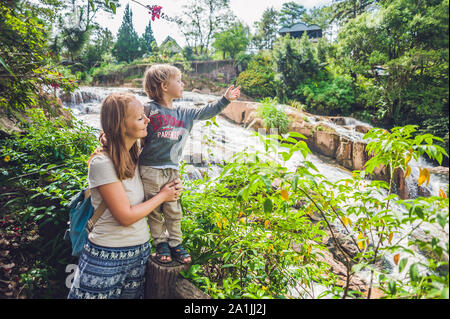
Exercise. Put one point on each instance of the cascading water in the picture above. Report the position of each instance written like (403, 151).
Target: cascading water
(229, 138)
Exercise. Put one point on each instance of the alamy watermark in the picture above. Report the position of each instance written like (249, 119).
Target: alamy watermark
(72, 279)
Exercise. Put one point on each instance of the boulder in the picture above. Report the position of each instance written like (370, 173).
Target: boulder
(362, 128)
(239, 111)
(423, 191)
(9, 126)
(359, 155)
(338, 268)
(440, 170)
(381, 173)
(256, 123)
(294, 115)
(338, 120)
(399, 181)
(326, 141)
(303, 127)
(344, 153)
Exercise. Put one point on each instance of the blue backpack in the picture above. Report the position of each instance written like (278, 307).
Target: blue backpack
(82, 219)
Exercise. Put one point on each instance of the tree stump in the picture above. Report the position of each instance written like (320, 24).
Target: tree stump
(163, 281)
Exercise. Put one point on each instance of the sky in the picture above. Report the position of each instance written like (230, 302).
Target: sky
(247, 11)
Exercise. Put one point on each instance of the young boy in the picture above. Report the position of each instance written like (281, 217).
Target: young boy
(168, 130)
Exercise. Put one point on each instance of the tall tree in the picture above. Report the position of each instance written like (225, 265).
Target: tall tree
(127, 47)
(291, 13)
(295, 63)
(101, 43)
(320, 16)
(201, 19)
(148, 37)
(232, 41)
(344, 10)
(77, 21)
(266, 30)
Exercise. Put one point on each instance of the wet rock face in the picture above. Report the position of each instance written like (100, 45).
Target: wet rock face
(344, 153)
(439, 170)
(362, 128)
(78, 97)
(326, 143)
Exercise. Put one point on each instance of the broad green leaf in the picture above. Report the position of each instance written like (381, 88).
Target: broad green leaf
(294, 183)
(268, 206)
(414, 273)
(392, 286)
(442, 221)
(402, 264)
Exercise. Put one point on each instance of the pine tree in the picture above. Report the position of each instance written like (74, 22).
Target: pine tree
(127, 45)
(148, 37)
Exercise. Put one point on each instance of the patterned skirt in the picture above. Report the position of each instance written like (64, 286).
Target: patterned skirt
(109, 273)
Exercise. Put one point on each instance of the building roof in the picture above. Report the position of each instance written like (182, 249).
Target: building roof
(299, 27)
(169, 38)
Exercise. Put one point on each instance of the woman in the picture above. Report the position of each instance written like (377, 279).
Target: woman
(113, 261)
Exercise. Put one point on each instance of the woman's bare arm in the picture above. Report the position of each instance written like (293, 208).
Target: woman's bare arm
(117, 202)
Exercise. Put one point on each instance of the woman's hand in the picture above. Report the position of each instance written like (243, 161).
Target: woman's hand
(172, 190)
(232, 93)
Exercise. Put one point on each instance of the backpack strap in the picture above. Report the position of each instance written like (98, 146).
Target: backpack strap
(97, 213)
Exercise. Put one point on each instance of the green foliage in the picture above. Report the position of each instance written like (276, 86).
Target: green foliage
(201, 19)
(395, 150)
(344, 10)
(273, 116)
(127, 47)
(266, 30)
(291, 13)
(74, 39)
(43, 169)
(295, 63)
(26, 65)
(257, 80)
(93, 54)
(148, 38)
(331, 97)
(232, 41)
(404, 38)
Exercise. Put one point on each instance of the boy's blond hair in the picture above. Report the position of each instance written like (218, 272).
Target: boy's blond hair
(155, 76)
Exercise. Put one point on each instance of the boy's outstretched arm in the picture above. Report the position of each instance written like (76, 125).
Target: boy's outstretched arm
(232, 93)
(213, 109)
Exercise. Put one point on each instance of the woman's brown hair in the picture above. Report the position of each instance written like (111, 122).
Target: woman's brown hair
(155, 76)
(113, 114)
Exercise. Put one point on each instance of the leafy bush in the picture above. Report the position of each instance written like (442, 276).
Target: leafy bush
(258, 80)
(273, 116)
(27, 66)
(334, 97)
(295, 62)
(41, 171)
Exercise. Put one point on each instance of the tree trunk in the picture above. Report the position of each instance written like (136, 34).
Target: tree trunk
(163, 281)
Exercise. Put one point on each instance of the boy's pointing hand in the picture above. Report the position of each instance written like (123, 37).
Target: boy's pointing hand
(233, 93)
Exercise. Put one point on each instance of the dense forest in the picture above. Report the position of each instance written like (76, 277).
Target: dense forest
(383, 62)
